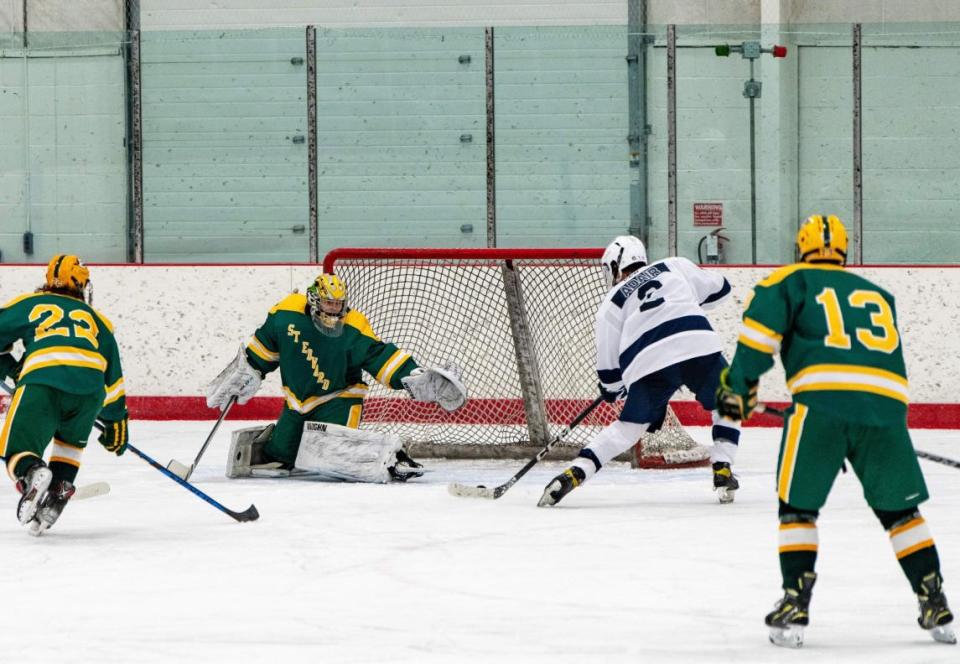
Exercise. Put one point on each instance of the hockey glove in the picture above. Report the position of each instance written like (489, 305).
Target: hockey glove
(9, 366)
(114, 436)
(238, 380)
(732, 404)
(612, 395)
(440, 384)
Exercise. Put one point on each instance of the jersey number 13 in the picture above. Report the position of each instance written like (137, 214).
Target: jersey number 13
(881, 320)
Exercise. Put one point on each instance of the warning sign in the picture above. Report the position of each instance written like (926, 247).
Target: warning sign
(708, 214)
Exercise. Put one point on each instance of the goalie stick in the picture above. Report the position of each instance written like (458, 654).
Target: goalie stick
(946, 461)
(466, 491)
(184, 472)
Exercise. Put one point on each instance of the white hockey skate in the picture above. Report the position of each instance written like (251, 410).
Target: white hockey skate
(944, 634)
(33, 487)
(787, 637)
(51, 505)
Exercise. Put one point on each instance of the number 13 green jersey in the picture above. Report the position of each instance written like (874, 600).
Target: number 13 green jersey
(837, 336)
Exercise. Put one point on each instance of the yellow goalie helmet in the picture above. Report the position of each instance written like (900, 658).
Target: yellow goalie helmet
(67, 272)
(822, 239)
(327, 297)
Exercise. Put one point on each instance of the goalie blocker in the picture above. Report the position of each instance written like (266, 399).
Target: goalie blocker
(326, 450)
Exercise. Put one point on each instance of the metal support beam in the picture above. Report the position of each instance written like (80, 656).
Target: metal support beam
(531, 385)
(671, 140)
(637, 42)
(135, 231)
(857, 148)
(312, 184)
(491, 140)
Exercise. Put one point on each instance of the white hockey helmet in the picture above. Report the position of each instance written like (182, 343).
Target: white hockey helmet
(623, 253)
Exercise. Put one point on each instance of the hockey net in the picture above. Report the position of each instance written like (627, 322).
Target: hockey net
(519, 323)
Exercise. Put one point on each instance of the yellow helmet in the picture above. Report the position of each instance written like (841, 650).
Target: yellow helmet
(66, 271)
(327, 297)
(822, 239)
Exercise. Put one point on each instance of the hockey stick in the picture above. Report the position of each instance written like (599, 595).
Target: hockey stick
(184, 472)
(91, 491)
(466, 491)
(946, 461)
(249, 514)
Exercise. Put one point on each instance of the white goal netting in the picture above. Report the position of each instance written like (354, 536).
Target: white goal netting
(518, 322)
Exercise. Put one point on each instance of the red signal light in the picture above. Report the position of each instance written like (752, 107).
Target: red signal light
(779, 51)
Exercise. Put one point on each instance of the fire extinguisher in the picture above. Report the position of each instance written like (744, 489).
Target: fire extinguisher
(714, 247)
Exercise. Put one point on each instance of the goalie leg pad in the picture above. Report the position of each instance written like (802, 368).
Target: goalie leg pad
(352, 455)
(246, 450)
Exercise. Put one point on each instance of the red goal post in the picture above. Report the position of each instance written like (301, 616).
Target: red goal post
(519, 323)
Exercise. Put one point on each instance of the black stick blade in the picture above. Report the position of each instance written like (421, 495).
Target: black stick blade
(249, 514)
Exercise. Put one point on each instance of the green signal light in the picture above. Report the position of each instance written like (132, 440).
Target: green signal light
(723, 50)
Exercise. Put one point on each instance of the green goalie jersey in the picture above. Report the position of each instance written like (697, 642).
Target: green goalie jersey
(68, 345)
(837, 336)
(316, 367)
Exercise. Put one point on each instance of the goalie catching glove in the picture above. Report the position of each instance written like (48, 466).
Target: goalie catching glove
(732, 403)
(440, 384)
(238, 380)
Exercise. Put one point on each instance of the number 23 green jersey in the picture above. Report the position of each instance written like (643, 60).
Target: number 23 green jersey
(837, 336)
(68, 345)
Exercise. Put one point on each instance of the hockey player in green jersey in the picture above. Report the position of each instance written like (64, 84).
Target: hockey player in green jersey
(321, 347)
(68, 376)
(837, 336)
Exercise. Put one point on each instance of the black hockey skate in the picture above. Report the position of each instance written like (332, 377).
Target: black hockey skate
(790, 614)
(724, 481)
(561, 485)
(33, 487)
(935, 615)
(405, 468)
(51, 506)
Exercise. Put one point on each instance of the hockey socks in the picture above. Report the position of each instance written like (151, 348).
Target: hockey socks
(798, 541)
(615, 438)
(912, 545)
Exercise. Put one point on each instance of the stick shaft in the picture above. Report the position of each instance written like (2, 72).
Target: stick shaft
(239, 516)
(496, 492)
(549, 446)
(206, 443)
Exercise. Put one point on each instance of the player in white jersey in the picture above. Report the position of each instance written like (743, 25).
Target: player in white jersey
(652, 338)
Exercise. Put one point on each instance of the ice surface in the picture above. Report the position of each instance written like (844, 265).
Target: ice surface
(635, 566)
